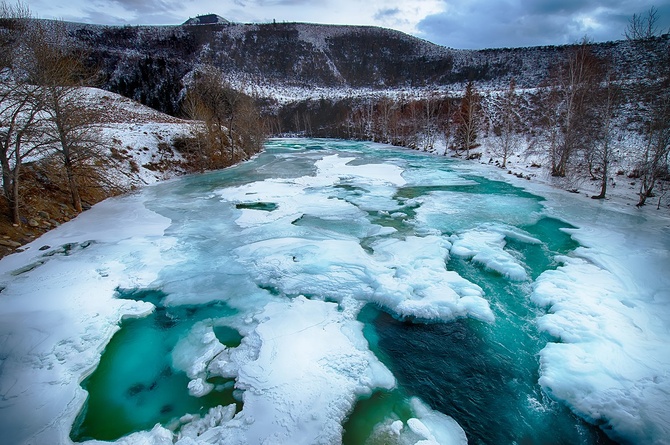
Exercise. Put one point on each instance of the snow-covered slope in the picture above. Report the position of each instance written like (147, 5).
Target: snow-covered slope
(137, 139)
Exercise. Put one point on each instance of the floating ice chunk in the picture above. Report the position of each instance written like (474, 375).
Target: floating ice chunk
(443, 429)
(487, 249)
(420, 429)
(417, 283)
(199, 387)
(611, 364)
(396, 427)
(427, 427)
(193, 353)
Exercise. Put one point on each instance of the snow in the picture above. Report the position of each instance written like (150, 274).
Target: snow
(319, 364)
(486, 248)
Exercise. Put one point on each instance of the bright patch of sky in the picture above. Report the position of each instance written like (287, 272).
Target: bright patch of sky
(463, 24)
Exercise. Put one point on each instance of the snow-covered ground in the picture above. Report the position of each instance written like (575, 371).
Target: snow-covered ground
(137, 137)
(608, 307)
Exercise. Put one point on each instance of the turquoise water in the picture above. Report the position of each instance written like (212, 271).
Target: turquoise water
(484, 375)
(135, 385)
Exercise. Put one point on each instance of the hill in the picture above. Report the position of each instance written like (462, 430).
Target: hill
(294, 61)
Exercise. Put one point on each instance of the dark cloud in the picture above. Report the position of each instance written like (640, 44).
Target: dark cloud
(484, 24)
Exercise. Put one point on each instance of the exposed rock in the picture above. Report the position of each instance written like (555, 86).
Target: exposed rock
(207, 19)
(9, 243)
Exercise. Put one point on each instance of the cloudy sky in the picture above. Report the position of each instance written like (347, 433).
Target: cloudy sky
(466, 24)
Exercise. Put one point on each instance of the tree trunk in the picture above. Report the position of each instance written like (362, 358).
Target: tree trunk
(15, 208)
(72, 182)
(6, 176)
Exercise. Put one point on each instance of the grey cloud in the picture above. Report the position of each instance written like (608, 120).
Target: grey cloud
(135, 12)
(156, 7)
(486, 24)
(287, 2)
(384, 14)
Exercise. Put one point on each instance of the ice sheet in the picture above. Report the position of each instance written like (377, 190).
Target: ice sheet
(56, 317)
(607, 305)
(612, 352)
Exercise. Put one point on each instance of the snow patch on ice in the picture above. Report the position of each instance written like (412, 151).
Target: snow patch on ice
(487, 249)
(416, 281)
(302, 371)
(193, 353)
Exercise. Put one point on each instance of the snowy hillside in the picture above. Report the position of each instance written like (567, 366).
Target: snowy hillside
(295, 61)
(136, 148)
(139, 140)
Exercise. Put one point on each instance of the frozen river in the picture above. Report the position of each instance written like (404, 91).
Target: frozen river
(332, 291)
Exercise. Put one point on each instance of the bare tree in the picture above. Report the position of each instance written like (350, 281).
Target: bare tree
(386, 108)
(655, 97)
(654, 164)
(643, 26)
(431, 106)
(569, 104)
(447, 124)
(601, 155)
(231, 120)
(468, 119)
(506, 121)
(70, 126)
(20, 106)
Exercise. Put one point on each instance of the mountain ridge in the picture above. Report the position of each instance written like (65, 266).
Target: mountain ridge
(152, 63)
